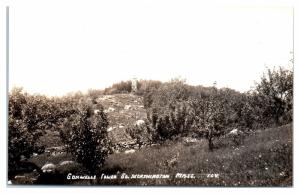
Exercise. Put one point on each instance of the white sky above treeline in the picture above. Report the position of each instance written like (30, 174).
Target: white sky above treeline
(61, 46)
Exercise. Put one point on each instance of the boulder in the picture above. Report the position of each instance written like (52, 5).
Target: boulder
(110, 109)
(129, 151)
(189, 141)
(140, 122)
(67, 162)
(49, 167)
(127, 107)
(96, 111)
(234, 131)
(110, 129)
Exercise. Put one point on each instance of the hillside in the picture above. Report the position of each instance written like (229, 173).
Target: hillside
(123, 110)
(264, 158)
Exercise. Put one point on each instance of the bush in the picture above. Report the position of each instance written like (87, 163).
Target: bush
(119, 88)
(167, 94)
(176, 120)
(85, 134)
(140, 133)
(145, 86)
(274, 95)
(22, 130)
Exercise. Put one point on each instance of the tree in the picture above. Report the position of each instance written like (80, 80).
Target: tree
(85, 133)
(209, 116)
(22, 133)
(275, 92)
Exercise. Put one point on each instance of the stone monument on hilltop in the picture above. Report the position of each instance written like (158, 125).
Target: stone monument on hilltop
(134, 84)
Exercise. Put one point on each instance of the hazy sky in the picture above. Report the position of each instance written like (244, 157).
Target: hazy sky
(62, 46)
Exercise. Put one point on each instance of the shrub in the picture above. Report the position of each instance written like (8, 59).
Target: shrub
(176, 120)
(144, 86)
(94, 93)
(85, 134)
(275, 94)
(22, 131)
(140, 133)
(117, 88)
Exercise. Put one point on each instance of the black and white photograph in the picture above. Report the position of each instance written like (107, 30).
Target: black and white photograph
(149, 93)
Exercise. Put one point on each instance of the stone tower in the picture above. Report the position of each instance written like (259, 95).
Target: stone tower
(134, 84)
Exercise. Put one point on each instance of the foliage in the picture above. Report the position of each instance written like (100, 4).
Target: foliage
(22, 130)
(93, 93)
(265, 159)
(85, 134)
(146, 86)
(169, 93)
(140, 133)
(275, 94)
(174, 121)
(31, 115)
(117, 88)
(210, 116)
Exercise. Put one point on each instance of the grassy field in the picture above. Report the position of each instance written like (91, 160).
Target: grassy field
(263, 159)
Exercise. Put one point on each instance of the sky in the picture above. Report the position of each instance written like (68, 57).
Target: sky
(58, 47)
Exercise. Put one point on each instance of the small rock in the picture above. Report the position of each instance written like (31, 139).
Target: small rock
(282, 173)
(67, 162)
(20, 177)
(49, 167)
(127, 107)
(110, 109)
(140, 122)
(234, 132)
(110, 129)
(57, 153)
(189, 140)
(129, 151)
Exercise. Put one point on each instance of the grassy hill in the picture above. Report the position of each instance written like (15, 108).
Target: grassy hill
(263, 159)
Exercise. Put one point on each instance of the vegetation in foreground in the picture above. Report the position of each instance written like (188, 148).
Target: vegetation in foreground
(263, 159)
(80, 125)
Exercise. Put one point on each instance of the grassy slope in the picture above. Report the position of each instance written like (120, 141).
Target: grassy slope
(264, 159)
